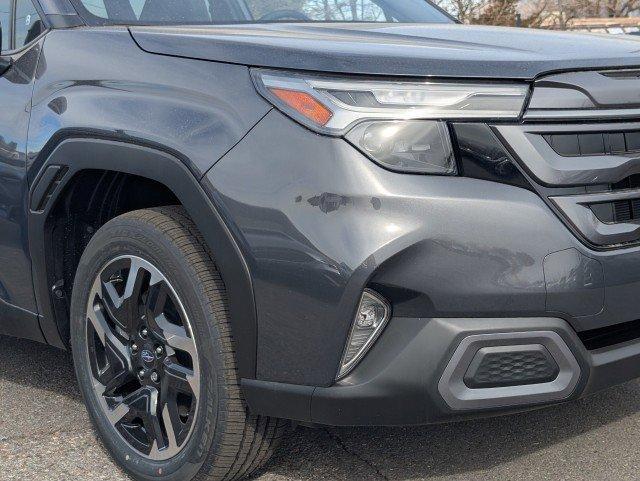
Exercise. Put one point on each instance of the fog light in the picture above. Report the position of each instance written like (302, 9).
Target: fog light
(373, 314)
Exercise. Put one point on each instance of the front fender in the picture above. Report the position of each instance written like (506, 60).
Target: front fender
(74, 155)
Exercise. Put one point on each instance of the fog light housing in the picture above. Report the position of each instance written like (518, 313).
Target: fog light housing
(372, 315)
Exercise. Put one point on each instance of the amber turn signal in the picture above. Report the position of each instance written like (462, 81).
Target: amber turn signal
(304, 104)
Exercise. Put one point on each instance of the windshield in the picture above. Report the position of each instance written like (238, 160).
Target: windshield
(150, 12)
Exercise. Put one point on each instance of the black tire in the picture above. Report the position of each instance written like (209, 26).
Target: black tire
(227, 442)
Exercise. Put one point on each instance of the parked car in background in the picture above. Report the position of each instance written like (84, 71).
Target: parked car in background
(239, 215)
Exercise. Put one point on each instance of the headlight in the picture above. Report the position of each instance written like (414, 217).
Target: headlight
(398, 124)
(408, 146)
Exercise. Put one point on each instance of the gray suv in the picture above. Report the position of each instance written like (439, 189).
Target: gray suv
(239, 215)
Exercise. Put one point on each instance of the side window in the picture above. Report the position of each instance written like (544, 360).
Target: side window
(28, 24)
(5, 21)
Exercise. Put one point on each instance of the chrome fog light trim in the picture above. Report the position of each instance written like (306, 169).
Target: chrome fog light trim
(371, 317)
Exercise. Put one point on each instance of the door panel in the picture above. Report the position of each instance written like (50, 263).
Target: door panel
(17, 304)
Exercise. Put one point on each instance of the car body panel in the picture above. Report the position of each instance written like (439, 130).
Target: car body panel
(197, 109)
(435, 50)
(319, 221)
(16, 86)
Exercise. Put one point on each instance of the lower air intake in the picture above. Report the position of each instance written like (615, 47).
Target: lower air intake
(510, 366)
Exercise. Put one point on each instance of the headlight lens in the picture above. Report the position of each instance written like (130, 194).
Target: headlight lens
(397, 124)
(408, 146)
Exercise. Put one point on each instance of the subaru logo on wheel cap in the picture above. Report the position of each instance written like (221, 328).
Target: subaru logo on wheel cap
(147, 356)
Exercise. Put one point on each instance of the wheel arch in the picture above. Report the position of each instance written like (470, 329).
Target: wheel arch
(73, 155)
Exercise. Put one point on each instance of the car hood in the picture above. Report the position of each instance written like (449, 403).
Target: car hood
(441, 50)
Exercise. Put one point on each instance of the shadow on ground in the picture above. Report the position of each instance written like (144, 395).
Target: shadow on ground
(377, 453)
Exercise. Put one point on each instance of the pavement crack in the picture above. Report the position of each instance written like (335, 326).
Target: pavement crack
(354, 454)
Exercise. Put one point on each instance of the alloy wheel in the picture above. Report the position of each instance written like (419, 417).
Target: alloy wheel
(143, 357)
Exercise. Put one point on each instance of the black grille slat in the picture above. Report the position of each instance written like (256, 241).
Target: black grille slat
(633, 141)
(610, 335)
(591, 144)
(615, 142)
(594, 143)
(566, 145)
(622, 210)
(635, 209)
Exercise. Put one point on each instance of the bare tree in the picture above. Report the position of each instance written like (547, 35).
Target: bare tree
(534, 13)
(499, 12)
(620, 8)
(560, 13)
(466, 11)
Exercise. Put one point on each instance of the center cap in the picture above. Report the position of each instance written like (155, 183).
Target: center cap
(147, 356)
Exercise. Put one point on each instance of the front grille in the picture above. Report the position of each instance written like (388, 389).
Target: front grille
(627, 210)
(592, 177)
(597, 143)
(610, 335)
(631, 182)
(580, 144)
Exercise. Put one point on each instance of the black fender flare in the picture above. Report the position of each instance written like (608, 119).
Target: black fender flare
(75, 154)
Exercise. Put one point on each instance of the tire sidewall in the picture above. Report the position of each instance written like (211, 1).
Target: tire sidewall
(124, 236)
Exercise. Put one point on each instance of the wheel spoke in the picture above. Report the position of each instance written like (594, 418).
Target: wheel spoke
(176, 336)
(151, 421)
(172, 442)
(99, 322)
(115, 348)
(124, 308)
(180, 378)
(118, 413)
(111, 300)
(157, 299)
(114, 414)
(119, 370)
(135, 280)
(143, 404)
(168, 422)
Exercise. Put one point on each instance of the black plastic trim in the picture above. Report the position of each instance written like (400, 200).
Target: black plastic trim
(64, 21)
(505, 366)
(404, 368)
(45, 187)
(82, 153)
(608, 336)
(289, 401)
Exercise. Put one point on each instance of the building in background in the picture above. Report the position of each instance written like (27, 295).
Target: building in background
(601, 16)
(618, 26)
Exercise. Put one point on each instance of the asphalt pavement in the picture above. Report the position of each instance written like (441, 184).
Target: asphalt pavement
(45, 435)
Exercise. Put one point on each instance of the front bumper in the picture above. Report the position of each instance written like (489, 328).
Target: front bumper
(455, 256)
(404, 379)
